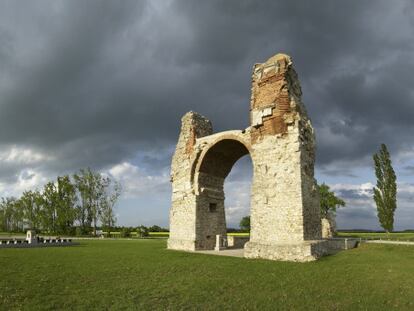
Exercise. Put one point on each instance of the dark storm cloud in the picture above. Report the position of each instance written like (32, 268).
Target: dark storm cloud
(99, 82)
(359, 211)
(354, 59)
(409, 169)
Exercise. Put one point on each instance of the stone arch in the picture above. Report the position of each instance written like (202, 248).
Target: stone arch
(232, 144)
(214, 164)
(206, 143)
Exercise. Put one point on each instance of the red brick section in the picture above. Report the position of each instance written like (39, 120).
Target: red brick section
(190, 142)
(271, 90)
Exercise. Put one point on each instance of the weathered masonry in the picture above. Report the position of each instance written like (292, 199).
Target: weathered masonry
(285, 219)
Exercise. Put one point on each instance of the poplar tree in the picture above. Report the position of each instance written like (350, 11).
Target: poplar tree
(385, 192)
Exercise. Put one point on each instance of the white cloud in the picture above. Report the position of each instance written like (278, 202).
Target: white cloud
(136, 182)
(364, 189)
(27, 179)
(23, 156)
(360, 211)
(237, 202)
(21, 169)
(406, 188)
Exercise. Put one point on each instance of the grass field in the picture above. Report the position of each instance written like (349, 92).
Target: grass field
(142, 274)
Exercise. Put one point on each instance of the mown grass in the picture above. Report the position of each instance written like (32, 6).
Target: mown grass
(143, 275)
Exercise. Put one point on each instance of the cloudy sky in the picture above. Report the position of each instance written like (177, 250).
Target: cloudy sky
(103, 84)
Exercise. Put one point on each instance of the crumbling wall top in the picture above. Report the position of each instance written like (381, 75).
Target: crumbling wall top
(275, 100)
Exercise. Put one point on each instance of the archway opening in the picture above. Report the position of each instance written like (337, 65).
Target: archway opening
(215, 166)
(237, 190)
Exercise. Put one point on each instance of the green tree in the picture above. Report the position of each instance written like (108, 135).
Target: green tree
(83, 206)
(91, 188)
(65, 205)
(97, 198)
(156, 228)
(31, 208)
(329, 202)
(3, 220)
(8, 213)
(18, 216)
(245, 223)
(49, 203)
(142, 231)
(385, 192)
(11, 215)
(108, 201)
(39, 210)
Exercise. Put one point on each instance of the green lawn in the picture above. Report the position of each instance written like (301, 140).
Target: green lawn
(142, 274)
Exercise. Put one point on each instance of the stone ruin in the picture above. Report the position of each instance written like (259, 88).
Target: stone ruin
(285, 214)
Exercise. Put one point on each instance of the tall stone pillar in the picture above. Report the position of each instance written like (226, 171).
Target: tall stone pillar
(285, 222)
(184, 199)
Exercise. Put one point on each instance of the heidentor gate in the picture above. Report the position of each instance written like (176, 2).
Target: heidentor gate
(285, 214)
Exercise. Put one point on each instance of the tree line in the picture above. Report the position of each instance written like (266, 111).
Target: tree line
(69, 205)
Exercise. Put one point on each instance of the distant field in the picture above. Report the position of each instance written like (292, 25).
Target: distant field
(239, 234)
(397, 236)
(143, 275)
(8, 234)
(159, 234)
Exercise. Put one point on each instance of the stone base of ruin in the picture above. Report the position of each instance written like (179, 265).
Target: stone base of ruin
(181, 245)
(301, 252)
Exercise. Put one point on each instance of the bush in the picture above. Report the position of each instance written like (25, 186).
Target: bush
(142, 231)
(78, 231)
(71, 231)
(114, 234)
(245, 224)
(125, 233)
(155, 228)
